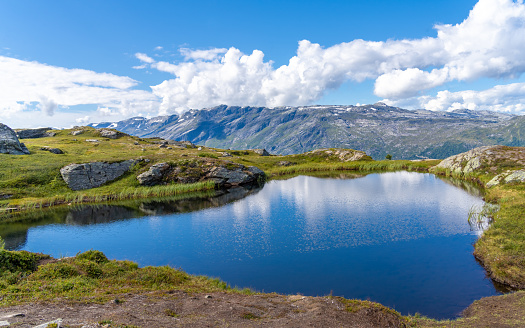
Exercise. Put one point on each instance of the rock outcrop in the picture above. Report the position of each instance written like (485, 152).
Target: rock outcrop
(224, 175)
(9, 143)
(235, 175)
(110, 133)
(154, 175)
(261, 152)
(488, 158)
(34, 133)
(92, 175)
(507, 177)
(344, 155)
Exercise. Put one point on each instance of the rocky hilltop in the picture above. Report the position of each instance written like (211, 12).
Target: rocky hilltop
(508, 163)
(376, 129)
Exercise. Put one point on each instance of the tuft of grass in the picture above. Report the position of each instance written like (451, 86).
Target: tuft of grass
(89, 277)
(171, 313)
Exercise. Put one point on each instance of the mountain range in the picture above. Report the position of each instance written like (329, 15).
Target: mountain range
(377, 129)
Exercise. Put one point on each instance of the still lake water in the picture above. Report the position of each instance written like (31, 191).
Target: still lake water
(401, 239)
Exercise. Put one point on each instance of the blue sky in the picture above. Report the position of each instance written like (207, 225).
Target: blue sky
(66, 63)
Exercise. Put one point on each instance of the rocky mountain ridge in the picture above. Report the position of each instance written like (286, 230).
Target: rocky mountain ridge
(376, 129)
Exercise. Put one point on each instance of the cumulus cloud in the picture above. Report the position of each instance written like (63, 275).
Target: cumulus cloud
(508, 98)
(202, 54)
(489, 43)
(144, 58)
(83, 120)
(24, 85)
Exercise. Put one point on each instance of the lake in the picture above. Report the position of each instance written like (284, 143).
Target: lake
(401, 239)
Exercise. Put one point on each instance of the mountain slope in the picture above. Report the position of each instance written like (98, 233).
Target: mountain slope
(376, 129)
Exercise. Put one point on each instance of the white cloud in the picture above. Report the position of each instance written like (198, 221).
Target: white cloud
(210, 54)
(504, 98)
(83, 120)
(25, 84)
(490, 43)
(144, 58)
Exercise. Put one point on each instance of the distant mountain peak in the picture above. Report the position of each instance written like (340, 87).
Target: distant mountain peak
(378, 129)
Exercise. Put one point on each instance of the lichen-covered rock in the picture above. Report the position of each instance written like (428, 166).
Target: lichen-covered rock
(236, 175)
(517, 176)
(154, 175)
(488, 158)
(344, 155)
(9, 143)
(34, 133)
(224, 175)
(77, 132)
(109, 133)
(92, 175)
(261, 152)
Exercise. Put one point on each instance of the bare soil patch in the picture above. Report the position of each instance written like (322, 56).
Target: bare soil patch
(181, 309)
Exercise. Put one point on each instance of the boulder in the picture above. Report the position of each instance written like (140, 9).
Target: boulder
(109, 133)
(261, 152)
(154, 175)
(34, 133)
(9, 143)
(52, 150)
(285, 163)
(236, 175)
(92, 175)
(77, 132)
(226, 175)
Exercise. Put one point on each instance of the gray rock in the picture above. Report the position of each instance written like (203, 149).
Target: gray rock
(34, 133)
(494, 182)
(77, 132)
(226, 154)
(52, 150)
(154, 175)
(236, 176)
(230, 176)
(109, 133)
(466, 162)
(284, 163)
(9, 143)
(92, 175)
(261, 152)
(516, 176)
(92, 140)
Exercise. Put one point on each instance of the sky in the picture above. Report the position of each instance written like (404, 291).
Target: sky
(72, 62)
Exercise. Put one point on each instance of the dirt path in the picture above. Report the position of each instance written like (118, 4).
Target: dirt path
(180, 309)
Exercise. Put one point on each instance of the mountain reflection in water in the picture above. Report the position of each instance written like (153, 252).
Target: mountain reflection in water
(15, 234)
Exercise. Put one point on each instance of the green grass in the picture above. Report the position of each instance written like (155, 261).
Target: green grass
(89, 277)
